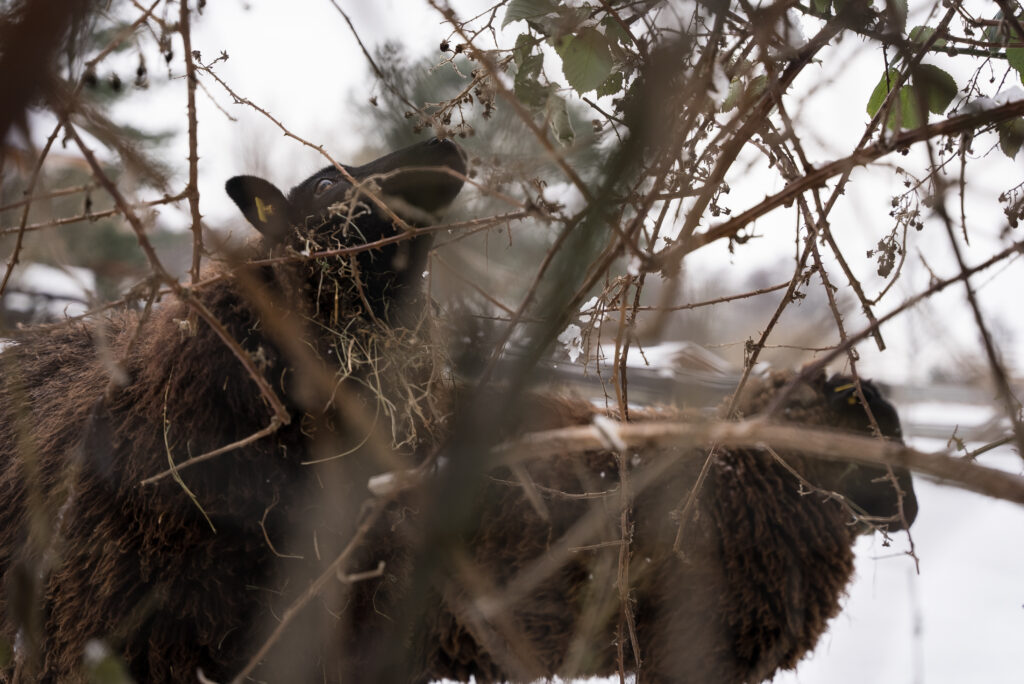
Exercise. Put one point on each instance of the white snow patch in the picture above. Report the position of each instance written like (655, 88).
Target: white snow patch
(589, 309)
(572, 339)
(634, 265)
(983, 104)
(943, 413)
(1014, 94)
(669, 357)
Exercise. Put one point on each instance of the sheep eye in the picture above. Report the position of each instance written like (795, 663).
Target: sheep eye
(322, 186)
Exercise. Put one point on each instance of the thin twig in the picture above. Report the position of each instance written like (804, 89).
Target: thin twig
(53, 194)
(314, 589)
(821, 175)
(195, 460)
(192, 189)
(91, 216)
(15, 253)
(813, 368)
(281, 415)
(825, 444)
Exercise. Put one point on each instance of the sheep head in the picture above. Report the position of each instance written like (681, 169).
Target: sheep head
(885, 499)
(328, 212)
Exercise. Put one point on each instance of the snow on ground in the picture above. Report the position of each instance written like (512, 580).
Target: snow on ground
(959, 620)
(947, 413)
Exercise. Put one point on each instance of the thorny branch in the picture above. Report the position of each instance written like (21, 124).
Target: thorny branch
(819, 443)
(192, 188)
(333, 570)
(22, 227)
(819, 176)
(281, 416)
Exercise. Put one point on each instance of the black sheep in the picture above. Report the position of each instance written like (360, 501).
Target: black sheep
(182, 574)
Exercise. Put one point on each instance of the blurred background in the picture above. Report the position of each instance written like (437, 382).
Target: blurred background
(300, 67)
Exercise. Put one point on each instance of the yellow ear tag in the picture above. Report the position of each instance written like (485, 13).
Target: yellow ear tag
(263, 210)
(852, 399)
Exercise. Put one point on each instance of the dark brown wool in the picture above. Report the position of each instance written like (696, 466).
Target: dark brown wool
(179, 576)
(765, 562)
(193, 573)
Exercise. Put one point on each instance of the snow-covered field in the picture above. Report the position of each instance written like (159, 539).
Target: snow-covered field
(961, 619)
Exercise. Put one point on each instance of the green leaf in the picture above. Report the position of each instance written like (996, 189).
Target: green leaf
(524, 46)
(905, 110)
(1015, 57)
(992, 33)
(934, 85)
(937, 86)
(896, 12)
(1011, 136)
(921, 35)
(616, 33)
(758, 86)
(738, 90)
(532, 93)
(735, 90)
(821, 6)
(907, 113)
(529, 90)
(567, 20)
(557, 113)
(611, 86)
(529, 62)
(878, 95)
(527, 9)
(586, 60)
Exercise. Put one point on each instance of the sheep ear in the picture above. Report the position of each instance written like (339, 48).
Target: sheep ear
(266, 207)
